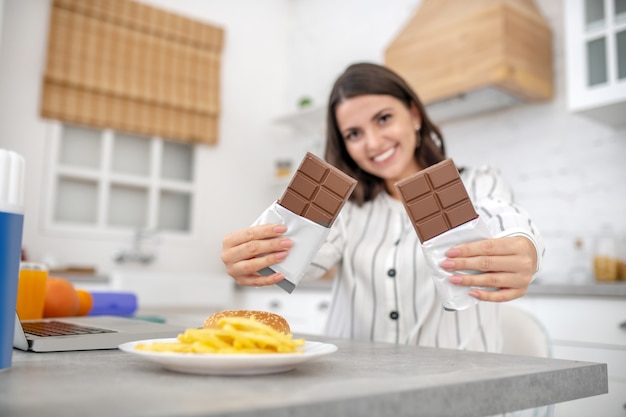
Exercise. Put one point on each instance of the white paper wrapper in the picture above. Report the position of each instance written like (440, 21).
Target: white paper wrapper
(453, 297)
(307, 237)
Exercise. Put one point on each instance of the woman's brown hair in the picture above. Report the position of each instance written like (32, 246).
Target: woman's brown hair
(365, 78)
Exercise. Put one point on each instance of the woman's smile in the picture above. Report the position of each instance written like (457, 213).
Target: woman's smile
(384, 156)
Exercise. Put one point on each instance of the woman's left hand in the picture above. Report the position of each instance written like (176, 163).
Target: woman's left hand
(506, 263)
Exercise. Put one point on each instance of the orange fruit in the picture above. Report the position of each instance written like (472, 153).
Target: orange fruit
(61, 298)
(85, 302)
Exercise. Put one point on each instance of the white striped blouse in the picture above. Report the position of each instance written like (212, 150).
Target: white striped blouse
(382, 291)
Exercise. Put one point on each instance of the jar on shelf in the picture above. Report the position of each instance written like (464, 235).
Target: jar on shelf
(606, 262)
(283, 168)
(580, 267)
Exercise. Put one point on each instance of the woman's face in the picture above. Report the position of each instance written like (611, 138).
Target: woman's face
(379, 133)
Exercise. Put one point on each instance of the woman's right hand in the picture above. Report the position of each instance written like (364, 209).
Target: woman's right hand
(250, 250)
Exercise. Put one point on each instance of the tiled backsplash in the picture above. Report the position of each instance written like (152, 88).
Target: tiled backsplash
(566, 171)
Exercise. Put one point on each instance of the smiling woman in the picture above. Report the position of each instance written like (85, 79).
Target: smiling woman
(378, 132)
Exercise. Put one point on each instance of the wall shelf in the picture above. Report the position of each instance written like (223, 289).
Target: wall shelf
(308, 121)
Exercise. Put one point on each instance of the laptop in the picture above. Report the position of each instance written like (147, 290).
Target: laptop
(86, 333)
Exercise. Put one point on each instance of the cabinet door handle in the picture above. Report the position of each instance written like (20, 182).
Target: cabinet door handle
(622, 326)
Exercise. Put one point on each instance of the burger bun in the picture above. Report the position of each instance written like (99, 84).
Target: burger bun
(275, 321)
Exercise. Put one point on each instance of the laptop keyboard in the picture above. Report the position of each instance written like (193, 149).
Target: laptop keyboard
(58, 328)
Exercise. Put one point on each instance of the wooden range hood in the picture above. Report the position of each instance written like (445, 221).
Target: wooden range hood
(469, 56)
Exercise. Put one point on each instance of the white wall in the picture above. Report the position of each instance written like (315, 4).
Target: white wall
(329, 35)
(567, 171)
(1, 18)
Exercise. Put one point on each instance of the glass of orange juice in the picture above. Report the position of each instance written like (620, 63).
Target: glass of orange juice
(31, 290)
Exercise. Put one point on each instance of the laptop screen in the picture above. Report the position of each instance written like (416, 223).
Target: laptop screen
(19, 338)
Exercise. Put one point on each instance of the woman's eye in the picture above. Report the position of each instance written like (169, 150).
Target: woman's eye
(384, 118)
(350, 136)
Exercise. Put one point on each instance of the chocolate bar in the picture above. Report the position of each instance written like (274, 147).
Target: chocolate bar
(317, 191)
(436, 200)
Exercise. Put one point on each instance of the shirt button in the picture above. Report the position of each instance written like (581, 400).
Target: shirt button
(391, 272)
(394, 315)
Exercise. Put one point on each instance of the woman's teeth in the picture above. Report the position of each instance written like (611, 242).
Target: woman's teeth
(384, 155)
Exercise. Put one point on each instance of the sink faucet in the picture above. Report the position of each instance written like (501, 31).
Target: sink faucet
(137, 253)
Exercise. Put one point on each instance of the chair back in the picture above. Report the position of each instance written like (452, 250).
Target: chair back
(522, 333)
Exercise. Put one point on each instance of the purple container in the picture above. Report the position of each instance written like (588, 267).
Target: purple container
(113, 304)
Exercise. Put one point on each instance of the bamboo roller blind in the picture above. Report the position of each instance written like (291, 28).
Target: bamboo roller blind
(130, 67)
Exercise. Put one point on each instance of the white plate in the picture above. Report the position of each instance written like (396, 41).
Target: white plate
(230, 364)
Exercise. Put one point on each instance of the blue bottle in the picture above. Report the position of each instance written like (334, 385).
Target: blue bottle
(11, 226)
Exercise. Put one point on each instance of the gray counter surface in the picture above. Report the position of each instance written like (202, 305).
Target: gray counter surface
(360, 379)
(593, 289)
(541, 287)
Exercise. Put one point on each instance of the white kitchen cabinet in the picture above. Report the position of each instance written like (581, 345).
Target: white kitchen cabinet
(587, 329)
(595, 57)
(306, 309)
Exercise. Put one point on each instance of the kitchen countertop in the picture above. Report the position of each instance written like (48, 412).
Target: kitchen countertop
(360, 379)
(539, 287)
(601, 289)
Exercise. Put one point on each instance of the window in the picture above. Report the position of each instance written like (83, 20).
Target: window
(103, 181)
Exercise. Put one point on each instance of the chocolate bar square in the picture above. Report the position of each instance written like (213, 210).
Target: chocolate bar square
(317, 191)
(436, 200)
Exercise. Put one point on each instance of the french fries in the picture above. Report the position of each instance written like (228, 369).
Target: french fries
(233, 335)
